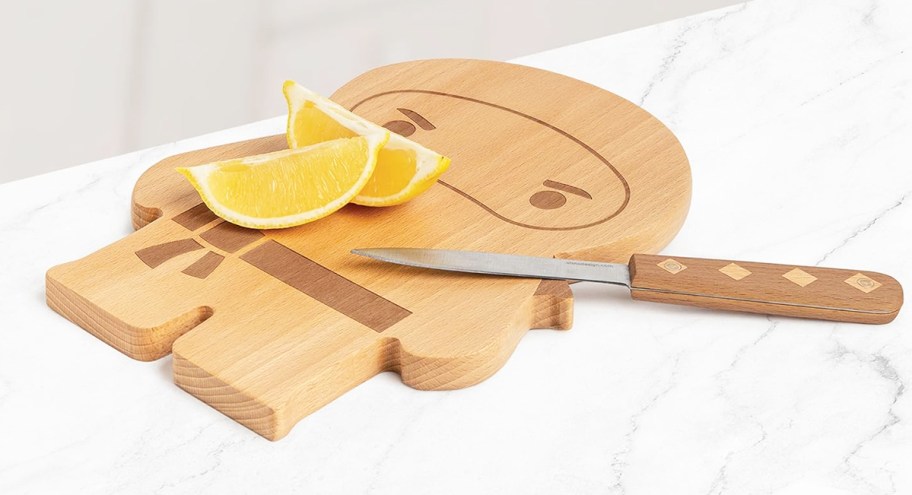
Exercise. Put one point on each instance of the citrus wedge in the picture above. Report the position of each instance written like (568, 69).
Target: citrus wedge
(289, 187)
(404, 167)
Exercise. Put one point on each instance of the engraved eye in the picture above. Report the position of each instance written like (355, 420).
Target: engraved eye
(567, 188)
(406, 128)
(401, 127)
(548, 200)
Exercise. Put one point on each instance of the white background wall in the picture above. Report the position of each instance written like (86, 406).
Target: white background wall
(95, 78)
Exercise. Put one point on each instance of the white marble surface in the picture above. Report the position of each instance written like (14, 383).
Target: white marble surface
(797, 117)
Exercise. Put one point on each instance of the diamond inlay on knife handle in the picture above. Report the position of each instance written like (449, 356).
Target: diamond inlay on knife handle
(801, 291)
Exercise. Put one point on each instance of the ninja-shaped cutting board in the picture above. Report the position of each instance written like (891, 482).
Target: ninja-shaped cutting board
(268, 326)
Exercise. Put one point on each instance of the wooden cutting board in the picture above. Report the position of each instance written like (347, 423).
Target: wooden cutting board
(268, 326)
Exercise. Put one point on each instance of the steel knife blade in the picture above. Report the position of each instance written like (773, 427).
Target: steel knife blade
(502, 264)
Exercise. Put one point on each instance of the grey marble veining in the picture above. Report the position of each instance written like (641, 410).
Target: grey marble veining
(796, 117)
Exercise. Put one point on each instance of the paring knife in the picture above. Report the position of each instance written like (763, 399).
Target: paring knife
(787, 290)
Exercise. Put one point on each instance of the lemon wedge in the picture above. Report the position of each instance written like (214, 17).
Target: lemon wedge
(405, 169)
(289, 187)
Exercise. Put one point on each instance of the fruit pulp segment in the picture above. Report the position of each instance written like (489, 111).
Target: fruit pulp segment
(395, 169)
(301, 181)
(312, 126)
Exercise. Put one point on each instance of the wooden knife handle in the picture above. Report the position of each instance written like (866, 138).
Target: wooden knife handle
(787, 290)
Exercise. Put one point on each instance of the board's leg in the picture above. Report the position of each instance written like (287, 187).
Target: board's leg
(270, 369)
(480, 343)
(553, 305)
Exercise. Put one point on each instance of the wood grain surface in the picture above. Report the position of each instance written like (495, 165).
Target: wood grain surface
(767, 288)
(269, 326)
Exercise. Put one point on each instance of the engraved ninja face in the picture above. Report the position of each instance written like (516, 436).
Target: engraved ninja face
(560, 198)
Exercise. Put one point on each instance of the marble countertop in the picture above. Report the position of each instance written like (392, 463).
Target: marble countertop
(796, 117)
